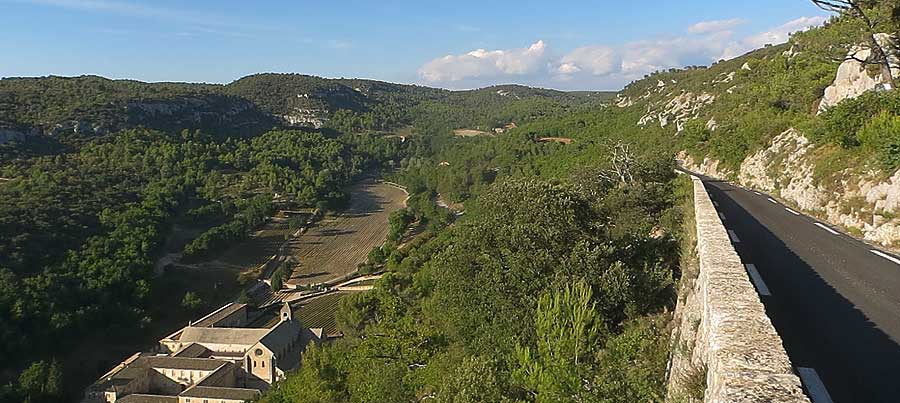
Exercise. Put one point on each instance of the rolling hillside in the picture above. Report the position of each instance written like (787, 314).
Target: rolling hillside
(87, 106)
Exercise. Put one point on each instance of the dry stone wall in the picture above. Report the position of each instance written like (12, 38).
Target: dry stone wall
(722, 326)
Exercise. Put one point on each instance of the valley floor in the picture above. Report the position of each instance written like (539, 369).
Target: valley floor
(335, 245)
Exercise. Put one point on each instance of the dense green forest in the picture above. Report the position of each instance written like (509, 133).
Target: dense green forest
(81, 231)
(110, 175)
(551, 288)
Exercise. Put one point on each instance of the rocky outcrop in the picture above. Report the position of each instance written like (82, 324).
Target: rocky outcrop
(855, 78)
(314, 118)
(864, 202)
(722, 326)
(678, 111)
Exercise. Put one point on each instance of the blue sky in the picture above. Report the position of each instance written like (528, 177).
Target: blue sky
(452, 44)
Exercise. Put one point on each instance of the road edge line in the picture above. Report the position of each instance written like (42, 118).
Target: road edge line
(885, 255)
(826, 228)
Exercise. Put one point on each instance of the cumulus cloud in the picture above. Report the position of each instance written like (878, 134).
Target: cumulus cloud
(706, 27)
(486, 63)
(602, 66)
(597, 60)
(782, 33)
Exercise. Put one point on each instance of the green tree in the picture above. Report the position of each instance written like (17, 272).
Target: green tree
(41, 382)
(475, 380)
(568, 327)
(191, 300)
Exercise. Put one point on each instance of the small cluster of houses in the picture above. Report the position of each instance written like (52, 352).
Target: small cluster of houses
(217, 359)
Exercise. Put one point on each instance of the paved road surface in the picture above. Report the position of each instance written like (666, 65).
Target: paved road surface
(834, 301)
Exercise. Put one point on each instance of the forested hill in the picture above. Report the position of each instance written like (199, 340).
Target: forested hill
(89, 106)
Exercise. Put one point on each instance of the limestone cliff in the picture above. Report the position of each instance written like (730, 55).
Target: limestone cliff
(854, 77)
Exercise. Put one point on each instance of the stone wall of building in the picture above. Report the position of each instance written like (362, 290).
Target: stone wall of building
(723, 343)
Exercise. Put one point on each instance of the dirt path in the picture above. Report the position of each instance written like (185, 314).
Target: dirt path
(336, 245)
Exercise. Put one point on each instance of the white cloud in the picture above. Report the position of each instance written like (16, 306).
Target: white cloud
(486, 63)
(706, 27)
(602, 66)
(596, 60)
(779, 34)
(782, 33)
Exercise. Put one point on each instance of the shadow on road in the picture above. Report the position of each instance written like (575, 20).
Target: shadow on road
(821, 329)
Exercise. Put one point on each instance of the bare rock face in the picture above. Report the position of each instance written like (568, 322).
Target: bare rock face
(783, 167)
(301, 117)
(623, 101)
(855, 78)
(678, 110)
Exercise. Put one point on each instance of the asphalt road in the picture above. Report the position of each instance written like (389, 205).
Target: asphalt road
(833, 300)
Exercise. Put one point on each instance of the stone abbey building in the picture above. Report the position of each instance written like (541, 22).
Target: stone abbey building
(217, 359)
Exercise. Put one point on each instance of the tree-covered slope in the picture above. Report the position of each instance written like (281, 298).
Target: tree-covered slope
(91, 105)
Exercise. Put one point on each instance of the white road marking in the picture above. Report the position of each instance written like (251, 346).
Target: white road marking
(722, 216)
(825, 227)
(792, 211)
(734, 237)
(814, 385)
(757, 280)
(773, 200)
(886, 256)
(757, 193)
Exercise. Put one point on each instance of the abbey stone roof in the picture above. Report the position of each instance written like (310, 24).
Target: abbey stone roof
(223, 335)
(274, 338)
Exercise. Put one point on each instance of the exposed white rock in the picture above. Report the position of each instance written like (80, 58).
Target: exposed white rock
(855, 78)
(783, 167)
(678, 110)
(790, 53)
(725, 78)
(746, 66)
(712, 125)
(306, 117)
(623, 101)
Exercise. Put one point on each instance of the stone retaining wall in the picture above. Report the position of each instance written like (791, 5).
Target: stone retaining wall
(722, 327)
